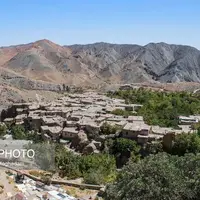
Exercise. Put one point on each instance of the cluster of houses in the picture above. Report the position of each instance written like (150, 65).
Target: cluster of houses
(81, 116)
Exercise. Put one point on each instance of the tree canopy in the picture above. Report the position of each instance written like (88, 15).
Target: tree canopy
(161, 108)
(94, 168)
(186, 143)
(158, 177)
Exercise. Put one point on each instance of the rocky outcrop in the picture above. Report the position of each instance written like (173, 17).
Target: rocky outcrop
(90, 148)
(80, 141)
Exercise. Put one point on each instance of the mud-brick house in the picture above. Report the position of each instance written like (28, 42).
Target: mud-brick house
(69, 133)
(52, 121)
(19, 119)
(33, 122)
(51, 133)
(132, 119)
(132, 130)
(55, 132)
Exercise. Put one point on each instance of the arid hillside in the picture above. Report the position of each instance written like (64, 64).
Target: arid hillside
(44, 65)
(103, 63)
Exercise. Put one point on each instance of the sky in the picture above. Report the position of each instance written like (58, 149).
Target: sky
(87, 21)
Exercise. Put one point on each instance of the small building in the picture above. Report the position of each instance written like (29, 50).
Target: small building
(9, 121)
(19, 119)
(20, 111)
(34, 122)
(86, 101)
(69, 133)
(183, 120)
(34, 107)
(132, 130)
(157, 130)
(70, 123)
(132, 119)
(53, 121)
(74, 117)
(92, 129)
(55, 132)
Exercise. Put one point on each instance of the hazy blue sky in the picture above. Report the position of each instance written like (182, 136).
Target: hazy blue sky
(88, 21)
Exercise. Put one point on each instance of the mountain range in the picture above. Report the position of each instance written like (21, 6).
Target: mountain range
(98, 63)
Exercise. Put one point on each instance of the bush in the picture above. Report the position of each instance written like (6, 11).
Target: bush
(121, 112)
(19, 132)
(3, 129)
(107, 129)
(35, 173)
(46, 179)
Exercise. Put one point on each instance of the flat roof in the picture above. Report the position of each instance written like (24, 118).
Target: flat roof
(135, 118)
(136, 126)
(70, 129)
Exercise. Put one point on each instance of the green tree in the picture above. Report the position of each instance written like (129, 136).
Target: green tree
(153, 148)
(98, 168)
(18, 132)
(107, 129)
(68, 163)
(158, 177)
(124, 149)
(186, 143)
(123, 145)
(161, 108)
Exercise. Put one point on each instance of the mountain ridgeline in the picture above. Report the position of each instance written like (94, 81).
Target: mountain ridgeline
(102, 62)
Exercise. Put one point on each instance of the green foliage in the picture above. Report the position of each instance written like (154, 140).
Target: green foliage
(18, 132)
(154, 147)
(3, 129)
(68, 163)
(121, 112)
(124, 149)
(123, 145)
(107, 129)
(98, 169)
(158, 177)
(94, 176)
(94, 168)
(186, 143)
(161, 108)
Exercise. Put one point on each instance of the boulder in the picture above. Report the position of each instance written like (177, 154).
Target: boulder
(90, 148)
(80, 141)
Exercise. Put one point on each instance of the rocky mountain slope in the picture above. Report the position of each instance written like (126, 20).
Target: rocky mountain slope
(99, 63)
(132, 63)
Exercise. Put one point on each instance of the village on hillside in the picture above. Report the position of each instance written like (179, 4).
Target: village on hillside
(81, 116)
(77, 120)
